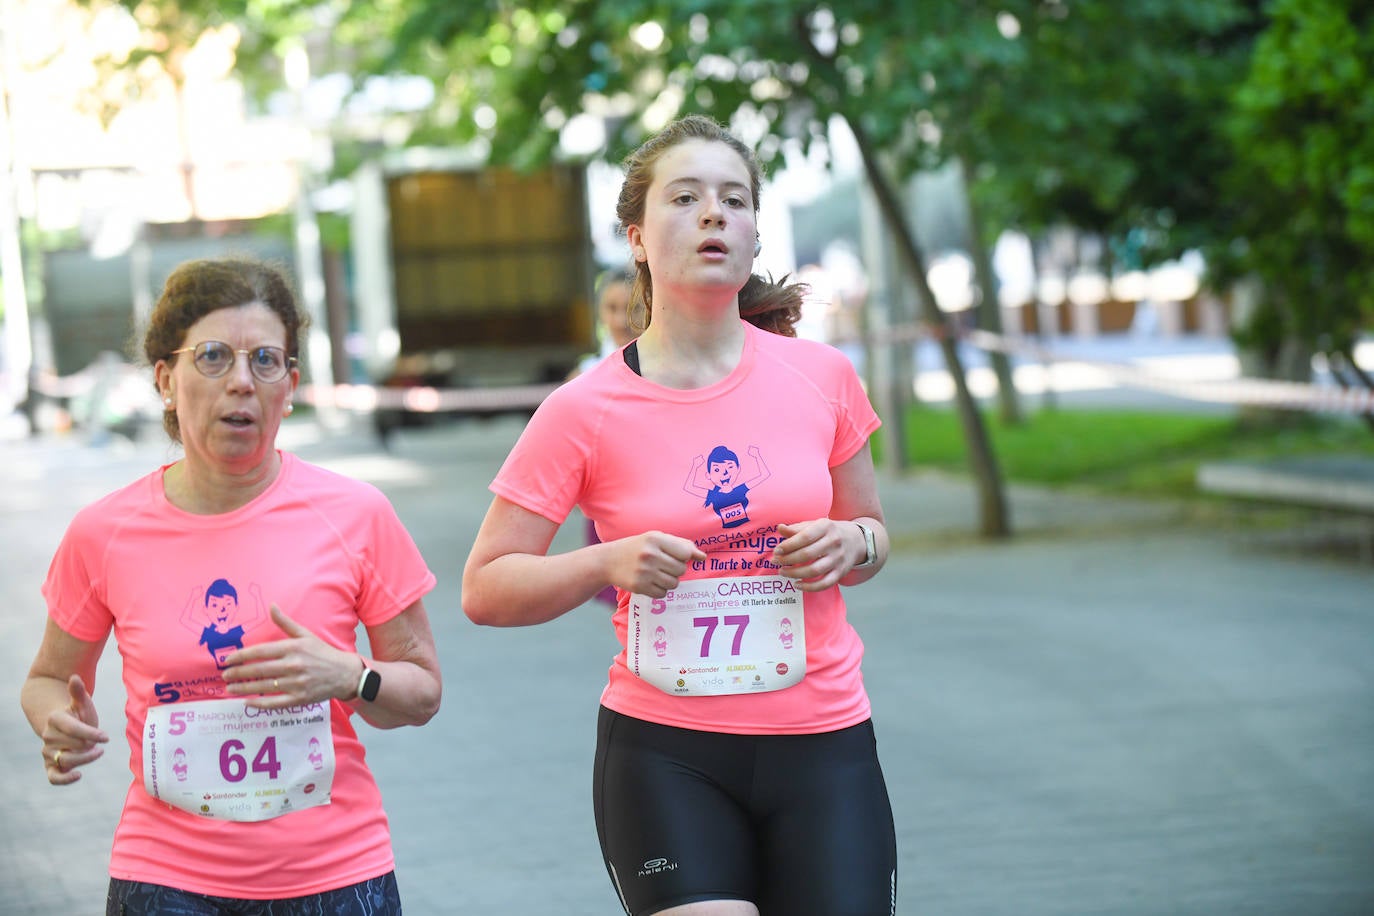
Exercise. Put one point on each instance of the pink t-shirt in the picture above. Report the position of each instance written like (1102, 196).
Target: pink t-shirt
(724, 466)
(177, 588)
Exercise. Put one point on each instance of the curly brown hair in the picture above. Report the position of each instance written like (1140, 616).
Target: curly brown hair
(194, 289)
(774, 305)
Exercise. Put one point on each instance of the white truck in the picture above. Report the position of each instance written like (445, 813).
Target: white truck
(471, 282)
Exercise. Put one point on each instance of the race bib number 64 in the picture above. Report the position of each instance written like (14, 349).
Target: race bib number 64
(227, 760)
(710, 637)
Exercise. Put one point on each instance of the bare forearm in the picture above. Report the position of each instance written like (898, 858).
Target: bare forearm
(521, 589)
(409, 695)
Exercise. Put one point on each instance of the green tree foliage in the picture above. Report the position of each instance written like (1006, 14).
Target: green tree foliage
(1240, 129)
(169, 29)
(1105, 121)
(1302, 186)
(1243, 128)
(779, 70)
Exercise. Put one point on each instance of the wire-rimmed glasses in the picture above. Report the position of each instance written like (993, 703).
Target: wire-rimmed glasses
(213, 358)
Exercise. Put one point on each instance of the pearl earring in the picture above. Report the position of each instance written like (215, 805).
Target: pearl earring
(288, 409)
(167, 401)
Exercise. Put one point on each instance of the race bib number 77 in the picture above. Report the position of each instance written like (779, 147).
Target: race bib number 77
(710, 637)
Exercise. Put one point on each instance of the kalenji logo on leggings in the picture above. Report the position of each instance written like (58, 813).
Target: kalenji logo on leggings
(656, 866)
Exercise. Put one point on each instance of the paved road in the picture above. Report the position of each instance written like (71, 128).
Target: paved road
(1119, 713)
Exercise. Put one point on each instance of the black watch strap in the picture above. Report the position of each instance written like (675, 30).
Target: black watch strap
(369, 684)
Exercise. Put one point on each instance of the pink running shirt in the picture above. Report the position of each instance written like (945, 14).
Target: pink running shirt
(177, 588)
(636, 456)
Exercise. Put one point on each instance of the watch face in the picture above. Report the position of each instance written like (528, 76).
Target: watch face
(870, 546)
(372, 682)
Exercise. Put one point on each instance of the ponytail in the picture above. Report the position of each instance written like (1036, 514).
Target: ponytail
(772, 305)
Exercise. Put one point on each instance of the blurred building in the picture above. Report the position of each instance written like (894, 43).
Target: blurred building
(119, 175)
(107, 151)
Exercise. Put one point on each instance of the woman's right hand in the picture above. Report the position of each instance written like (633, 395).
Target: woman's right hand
(511, 580)
(72, 736)
(651, 563)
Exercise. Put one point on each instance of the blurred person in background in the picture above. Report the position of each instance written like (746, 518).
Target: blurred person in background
(736, 769)
(234, 580)
(615, 317)
(617, 328)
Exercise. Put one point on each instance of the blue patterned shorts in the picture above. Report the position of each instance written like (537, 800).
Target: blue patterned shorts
(374, 897)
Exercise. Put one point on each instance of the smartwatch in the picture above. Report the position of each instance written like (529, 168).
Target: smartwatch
(870, 546)
(369, 684)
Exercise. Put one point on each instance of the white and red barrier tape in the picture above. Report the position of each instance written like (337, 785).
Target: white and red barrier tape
(1240, 391)
(426, 399)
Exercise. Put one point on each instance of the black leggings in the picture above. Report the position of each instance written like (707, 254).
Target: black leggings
(800, 825)
(374, 897)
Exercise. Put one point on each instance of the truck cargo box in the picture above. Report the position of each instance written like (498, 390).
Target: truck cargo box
(472, 277)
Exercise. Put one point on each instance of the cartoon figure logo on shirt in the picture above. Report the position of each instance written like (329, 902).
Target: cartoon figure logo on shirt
(220, 620)
(179, 765)
(661, 641)
(785, 633)
(716, 479)
(316, 758)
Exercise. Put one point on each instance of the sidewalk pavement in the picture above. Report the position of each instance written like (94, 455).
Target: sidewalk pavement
(1121, 711)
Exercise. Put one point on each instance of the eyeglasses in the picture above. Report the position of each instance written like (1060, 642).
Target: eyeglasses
(213, 358)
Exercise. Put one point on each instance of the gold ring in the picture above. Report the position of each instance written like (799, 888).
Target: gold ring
(57, 761)
(276, 684)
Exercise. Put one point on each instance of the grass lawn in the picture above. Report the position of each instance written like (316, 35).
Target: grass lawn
(1125, 452)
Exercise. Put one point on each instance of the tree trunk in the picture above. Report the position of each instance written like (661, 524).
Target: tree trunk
(887, 361)
(990, 307)
(993, 513)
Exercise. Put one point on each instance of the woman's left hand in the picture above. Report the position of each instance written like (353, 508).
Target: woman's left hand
(294, 671)
(819, 553)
